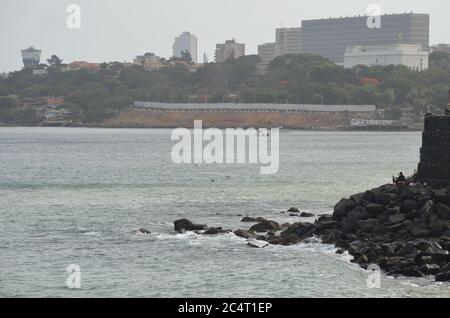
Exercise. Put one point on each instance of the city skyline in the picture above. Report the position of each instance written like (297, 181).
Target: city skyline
(110, 33)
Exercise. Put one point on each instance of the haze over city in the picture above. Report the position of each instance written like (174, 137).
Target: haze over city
(118, 31)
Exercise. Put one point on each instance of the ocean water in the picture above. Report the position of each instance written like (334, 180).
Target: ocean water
(77, 196)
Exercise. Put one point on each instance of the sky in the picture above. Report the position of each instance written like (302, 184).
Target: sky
(118, 30)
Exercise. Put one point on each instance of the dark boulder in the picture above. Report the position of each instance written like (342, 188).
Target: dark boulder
(186, 225)
(294, 210)
(381, 199)
(375, 209)
(443, 276)
(248, 219)
(215, 231)
(307, 215)
(397, 218)
(343, 207)
(409, 206)
(265, 226)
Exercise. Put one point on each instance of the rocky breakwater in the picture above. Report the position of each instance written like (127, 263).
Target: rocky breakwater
(405, 230)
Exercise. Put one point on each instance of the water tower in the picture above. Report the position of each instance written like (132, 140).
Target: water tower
(31, 57)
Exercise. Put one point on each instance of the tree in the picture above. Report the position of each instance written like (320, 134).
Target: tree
(7, 102)
(54, 61)
(186, 56)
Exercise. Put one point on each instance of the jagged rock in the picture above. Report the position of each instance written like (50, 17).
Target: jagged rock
(186, 225)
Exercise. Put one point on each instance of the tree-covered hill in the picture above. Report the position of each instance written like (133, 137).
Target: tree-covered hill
(92, 96)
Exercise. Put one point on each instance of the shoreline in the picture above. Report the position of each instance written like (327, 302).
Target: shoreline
(245, 127)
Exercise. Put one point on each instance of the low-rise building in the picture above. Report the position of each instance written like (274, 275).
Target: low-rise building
(441, 48)
(149, 61)
(410, 55)
(229, 50)
(82, 65)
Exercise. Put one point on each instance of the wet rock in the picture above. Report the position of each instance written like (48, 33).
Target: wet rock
(443, 276)
(430, 269)
(307, 215)
(215, 231)
(144, 231)
(248, 219)
(294, 210)
(245, 234)
(183, 225)
(265, 226)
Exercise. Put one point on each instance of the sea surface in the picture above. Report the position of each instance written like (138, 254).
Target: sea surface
(78, 196)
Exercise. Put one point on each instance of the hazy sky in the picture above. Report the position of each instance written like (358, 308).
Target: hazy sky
(117, 30)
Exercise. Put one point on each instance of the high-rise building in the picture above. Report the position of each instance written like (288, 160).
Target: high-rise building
(289, 40)
(330, 37)
(410, 55)
(229, 50)
(185, 42)
(31, 57)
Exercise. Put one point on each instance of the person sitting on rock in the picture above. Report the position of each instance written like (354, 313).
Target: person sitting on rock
(400, 179)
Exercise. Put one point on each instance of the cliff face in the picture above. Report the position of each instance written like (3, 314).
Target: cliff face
(434, 166)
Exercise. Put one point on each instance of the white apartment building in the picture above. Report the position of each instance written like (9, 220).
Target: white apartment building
(185, 42)
(229, 50)
(287, 41)
(267, 52)
(410, 55)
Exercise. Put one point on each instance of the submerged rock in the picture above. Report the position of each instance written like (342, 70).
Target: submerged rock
(144, 231)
